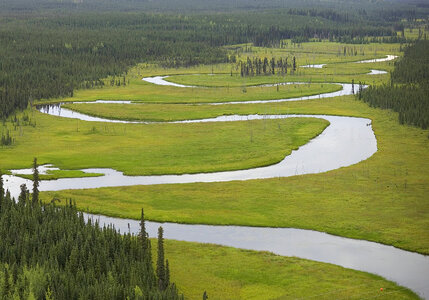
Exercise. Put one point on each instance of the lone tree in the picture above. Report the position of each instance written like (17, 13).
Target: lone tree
(35, 183)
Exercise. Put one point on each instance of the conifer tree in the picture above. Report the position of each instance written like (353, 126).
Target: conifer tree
(1, 191)
(160, 267)
(167, 274)
(23, 196)
(6, 284)
(273, 65)
(143, 234)
(35, 183)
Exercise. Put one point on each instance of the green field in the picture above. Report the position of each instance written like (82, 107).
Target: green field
(382, 199)
(228, 273)
(149, 149)
(388, 191)
(150, 93)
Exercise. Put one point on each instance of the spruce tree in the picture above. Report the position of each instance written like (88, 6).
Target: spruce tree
(1, 191)
(23, 196)
(143, 234)
(35, 183)
(167, 274)
(6, 284)
(160, 267)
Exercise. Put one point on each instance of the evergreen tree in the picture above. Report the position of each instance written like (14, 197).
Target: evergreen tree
(167, 273)
(143, 234)
(273, 66)
(23, 195)
(6, 284)
(1, 191)
(35, 182)
(160, 266)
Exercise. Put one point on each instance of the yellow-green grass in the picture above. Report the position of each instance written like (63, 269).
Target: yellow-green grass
(177, 112)
(228, 273)
(338, 70)
(328, 75)
(318, 52)
(148, 149)
(56, 174)
(151, 93)
(383, 199)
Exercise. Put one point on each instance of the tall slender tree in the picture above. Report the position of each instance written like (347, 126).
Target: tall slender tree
(1, 191)
(167, 273)
(143, 234)
(6, 284)
(160, 266)
(35, 182)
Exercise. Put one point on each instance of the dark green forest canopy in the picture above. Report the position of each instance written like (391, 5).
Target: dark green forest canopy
(50, 250)
(366, 7)
(408, 92)
(48, 48)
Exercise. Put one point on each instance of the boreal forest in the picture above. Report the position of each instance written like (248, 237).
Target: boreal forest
(214, 149)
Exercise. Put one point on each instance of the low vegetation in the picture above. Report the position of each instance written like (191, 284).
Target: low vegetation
(387, 191)
(149, 149)
(228, 273)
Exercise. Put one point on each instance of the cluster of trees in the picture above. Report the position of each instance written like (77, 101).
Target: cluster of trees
(51, 57)
(51, 252)
(258, 66)
(408, 91)
(6, 139)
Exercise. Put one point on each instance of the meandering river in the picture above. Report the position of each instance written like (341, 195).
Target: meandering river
(344, 142)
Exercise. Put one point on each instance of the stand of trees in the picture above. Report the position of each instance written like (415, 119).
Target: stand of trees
(258, 66)
(49, 48)
(51, 252)
(408, 92)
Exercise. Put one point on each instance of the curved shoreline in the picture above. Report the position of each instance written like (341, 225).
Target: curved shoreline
(404, 267)
(346, 141)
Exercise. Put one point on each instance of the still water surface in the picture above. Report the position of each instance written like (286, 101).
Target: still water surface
(344, 142)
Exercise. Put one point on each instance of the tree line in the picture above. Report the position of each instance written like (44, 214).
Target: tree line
(46, 55)
(408, 91)
(52, 252)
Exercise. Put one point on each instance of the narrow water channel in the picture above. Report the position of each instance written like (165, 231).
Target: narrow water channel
(344, 142)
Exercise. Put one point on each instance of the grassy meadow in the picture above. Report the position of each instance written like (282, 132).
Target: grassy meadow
(229, 273)
(383, 199)
(388, 191)
(150, 149)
